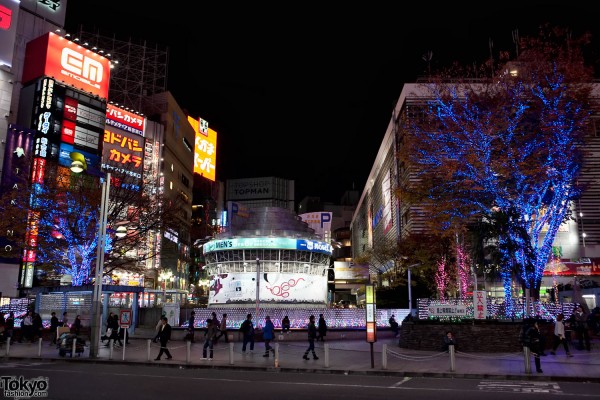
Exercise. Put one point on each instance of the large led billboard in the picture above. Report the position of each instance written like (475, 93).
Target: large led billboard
(123, 147)
(205, 149)
(275, 288)
(53, 56)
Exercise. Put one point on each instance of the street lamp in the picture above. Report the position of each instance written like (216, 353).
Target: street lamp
(96, 324)
(78, 165)
(257, 286)
(409, 288)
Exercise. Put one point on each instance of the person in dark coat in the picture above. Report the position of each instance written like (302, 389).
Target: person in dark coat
(268, 335)
(285, 324)
(114, 335)
(535, 340)
(165, 336)
(37, 326)
(192, 326)
(247, 328)
(312, 335)
(54, 324)
(76, 325)
(322, 328)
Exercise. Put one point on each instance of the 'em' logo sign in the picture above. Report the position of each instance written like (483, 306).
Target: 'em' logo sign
(80, 67)
(67, 62)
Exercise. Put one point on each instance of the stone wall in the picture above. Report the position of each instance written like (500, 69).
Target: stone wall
(480, 336)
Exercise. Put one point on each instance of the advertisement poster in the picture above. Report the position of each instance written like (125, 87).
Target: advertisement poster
(292, 288)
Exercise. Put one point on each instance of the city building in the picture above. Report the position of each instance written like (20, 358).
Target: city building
(381, 216)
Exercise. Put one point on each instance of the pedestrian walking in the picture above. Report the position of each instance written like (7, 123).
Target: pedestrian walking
(581, 327)
(164, 337)
(217, 325)
(157, 329)
(247, 329)
(559, 335)
(114, 335)
(9, 325)
(191, 327)
(77, 325)
(268, 335)
(54, 323)
(27, 327)
(394, 325)
(209, 337)
(534, 335)
(223, 329)
(322, 328)
(312, 335)
(36, 326)
(65, 319)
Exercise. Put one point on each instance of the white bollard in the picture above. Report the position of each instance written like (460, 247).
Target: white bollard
(384, 356)
(326, 347)
(8, 346)
(230, 353)
(110, 349)
(452, 358)
(74, 348)
(188, 350)
(526, 352)
(148, 349)
(39, 347)
(276, 355)
(124, 342)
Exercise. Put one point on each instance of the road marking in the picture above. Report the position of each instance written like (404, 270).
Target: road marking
(18, 365)
(520, 387)
(403, 381)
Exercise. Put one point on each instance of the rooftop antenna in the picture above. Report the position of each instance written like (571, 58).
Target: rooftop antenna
(491, 44)
(427, 58)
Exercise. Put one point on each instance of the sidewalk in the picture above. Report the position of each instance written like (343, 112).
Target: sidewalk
(335, 356)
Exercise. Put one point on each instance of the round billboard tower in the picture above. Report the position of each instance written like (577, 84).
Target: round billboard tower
(269, 255)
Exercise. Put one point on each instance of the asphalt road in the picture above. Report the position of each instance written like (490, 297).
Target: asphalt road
(83, 381)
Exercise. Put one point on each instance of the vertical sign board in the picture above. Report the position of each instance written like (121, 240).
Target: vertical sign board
(125, 318)
(480, 304)
(371, 314)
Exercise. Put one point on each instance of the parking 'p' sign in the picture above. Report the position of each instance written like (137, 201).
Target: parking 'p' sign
(125, 318)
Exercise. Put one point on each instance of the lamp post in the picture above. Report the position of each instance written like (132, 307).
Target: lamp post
(257, 286)
(409, 287)
(96, 323)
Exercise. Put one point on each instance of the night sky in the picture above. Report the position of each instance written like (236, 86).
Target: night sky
(304, 92)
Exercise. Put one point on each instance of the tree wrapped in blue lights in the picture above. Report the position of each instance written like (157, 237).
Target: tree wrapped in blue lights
(63, 210)
(67, 213)
(504, 149)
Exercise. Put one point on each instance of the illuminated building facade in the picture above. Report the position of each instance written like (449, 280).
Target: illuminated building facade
(267, 256)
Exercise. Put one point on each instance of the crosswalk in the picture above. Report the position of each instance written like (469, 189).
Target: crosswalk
(520, 387)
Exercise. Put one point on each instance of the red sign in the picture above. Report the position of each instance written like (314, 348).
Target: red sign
(5, 17)
(125, 120)
(68, 132)
(566, 268)
(54, 56)
(70, 111)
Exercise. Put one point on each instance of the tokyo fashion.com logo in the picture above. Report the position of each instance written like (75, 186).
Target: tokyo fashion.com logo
(23, 388)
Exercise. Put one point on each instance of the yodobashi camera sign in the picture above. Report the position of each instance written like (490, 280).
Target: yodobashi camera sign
(447, 310)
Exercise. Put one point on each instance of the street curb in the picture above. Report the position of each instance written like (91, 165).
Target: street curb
(378, 372)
